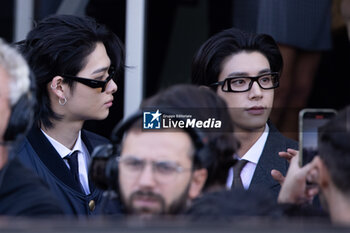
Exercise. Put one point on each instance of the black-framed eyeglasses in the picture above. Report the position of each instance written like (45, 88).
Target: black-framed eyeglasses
(93, 83)
(163, 171)
(242, 84)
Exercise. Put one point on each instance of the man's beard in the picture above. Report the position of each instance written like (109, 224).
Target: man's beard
(176, 207)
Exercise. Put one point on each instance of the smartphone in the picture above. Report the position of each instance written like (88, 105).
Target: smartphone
(310, 120)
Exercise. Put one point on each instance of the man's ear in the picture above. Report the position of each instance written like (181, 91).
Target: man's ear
(57, 88)
(198, 180)
(320, 173)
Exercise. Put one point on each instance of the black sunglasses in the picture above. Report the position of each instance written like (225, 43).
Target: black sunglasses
(92, 82)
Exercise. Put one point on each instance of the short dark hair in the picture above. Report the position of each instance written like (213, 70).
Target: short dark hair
(222, 145)
(334, 149)
(208, 61)
(60, 44)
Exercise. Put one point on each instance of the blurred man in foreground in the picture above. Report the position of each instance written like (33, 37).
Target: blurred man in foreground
(21, 192)
(330, 172)
(160, 171)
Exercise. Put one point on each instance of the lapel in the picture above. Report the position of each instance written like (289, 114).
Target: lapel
(269, 160)
(52, 160)
(90, 145)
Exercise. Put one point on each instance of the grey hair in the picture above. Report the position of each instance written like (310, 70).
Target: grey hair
(17, 68)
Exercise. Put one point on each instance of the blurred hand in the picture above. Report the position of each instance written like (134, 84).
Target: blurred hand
(294, 188)
(288, 155)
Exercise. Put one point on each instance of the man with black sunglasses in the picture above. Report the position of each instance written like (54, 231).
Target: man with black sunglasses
(93, 83)
(244, 70)
(75, 61)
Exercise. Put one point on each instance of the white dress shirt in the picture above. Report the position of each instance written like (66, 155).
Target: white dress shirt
(83, 158)
(252, 156)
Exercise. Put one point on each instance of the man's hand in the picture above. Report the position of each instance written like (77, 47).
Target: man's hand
(288, 155)
(294, 188)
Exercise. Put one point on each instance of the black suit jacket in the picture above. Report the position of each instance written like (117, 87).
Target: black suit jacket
(22, 193)
(37, 154)
(269, 160)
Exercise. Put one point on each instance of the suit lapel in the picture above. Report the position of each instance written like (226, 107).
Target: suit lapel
(269, 160)
(86, 141)
(90, 146)
(49, 156)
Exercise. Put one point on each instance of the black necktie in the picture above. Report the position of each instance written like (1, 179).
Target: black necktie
(73, 164)
(237, 168)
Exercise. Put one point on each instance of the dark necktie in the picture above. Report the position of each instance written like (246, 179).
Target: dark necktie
(73, 164)
(237, 168)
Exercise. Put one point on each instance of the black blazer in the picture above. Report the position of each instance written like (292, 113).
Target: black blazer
(269, 160)
(37, 153)
(22, 193)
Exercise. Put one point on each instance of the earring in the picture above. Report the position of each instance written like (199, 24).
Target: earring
(62, 101)
(53, 87)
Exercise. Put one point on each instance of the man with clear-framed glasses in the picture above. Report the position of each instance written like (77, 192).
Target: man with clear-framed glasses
(160, 171)
(158, 176)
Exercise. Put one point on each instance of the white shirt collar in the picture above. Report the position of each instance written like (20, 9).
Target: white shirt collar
(83, 158)
(254, 153)
(61, 149)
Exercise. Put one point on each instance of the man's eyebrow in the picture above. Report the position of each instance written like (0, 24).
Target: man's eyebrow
(103, 69)
(239, 74)
(267, 70)
(235, 74)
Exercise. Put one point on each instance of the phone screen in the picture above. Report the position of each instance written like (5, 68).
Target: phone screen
(310, 120)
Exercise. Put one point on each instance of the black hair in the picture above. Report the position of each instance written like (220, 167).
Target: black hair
(208, 61)
(60, 44)
(334, 149)
(203, 103)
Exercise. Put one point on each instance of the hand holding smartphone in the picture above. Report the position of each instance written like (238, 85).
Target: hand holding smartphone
(310, 120)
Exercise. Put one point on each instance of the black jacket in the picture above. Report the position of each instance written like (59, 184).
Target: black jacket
(269, 160)
(22, 193)
(37, 154)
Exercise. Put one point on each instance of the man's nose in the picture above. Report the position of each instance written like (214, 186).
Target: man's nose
(147, 178)
(111, 87)
(255, 92)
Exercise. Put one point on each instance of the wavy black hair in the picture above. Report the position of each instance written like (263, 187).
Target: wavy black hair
(60, 44)
(208, 61)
